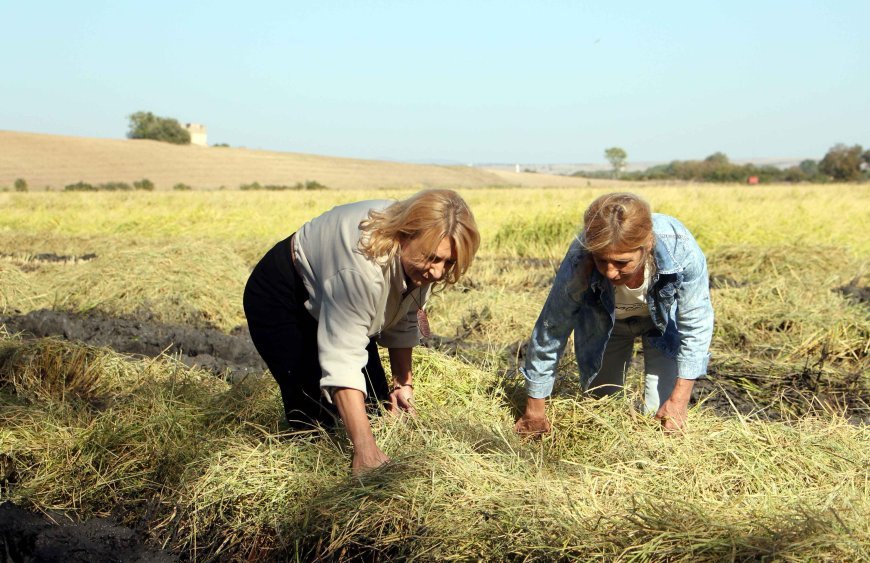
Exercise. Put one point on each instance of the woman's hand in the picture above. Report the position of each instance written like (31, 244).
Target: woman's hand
(366, 458)
(366, 453)
(532, 427)
(534, 422)
(672, 416)
(402, 399)
(673, 412)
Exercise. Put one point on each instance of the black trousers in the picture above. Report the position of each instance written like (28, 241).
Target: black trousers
(285, 335)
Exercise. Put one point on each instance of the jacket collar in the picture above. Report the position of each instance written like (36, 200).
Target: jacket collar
(667, 240)
(664, 259)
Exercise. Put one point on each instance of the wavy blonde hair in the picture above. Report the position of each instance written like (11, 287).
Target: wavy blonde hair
(618, 221)
(429, 216)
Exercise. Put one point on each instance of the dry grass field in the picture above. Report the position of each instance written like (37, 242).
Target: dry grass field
(130, 394)
(56, 161)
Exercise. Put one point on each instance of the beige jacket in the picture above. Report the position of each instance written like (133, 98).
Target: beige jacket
(353, 298)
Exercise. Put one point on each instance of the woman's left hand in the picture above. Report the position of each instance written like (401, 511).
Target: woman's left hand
(674, 411)
(402, 399)
(672, 416)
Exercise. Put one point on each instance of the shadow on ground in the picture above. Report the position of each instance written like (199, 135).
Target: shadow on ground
(25, 536)
(232, 355)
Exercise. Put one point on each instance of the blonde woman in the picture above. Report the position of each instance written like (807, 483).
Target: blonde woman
(630, 274)
(320, 302)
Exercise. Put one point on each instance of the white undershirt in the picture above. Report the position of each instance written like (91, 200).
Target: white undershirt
(632, 302)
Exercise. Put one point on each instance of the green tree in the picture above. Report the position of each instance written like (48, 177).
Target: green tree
(717, 168)
(718, 159)
(794, 174)
(20, 185)
(809, 167)
(146, 125)
(616, 156)
(843, 163)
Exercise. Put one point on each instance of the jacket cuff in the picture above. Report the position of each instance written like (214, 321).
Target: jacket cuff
(329, 384)
(692, 368)
(536, 386)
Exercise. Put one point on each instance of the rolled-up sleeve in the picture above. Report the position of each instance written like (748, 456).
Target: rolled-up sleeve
(694, 316)
(346, 312)
(552, 330)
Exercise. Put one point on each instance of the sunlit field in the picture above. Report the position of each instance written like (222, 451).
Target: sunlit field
(773, 465)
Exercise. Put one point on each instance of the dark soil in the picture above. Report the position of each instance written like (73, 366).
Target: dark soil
(772, 396)
(232, 355)
(26, 536)
(853, 290)
(31, 262)
(718, 281)
(50, 257)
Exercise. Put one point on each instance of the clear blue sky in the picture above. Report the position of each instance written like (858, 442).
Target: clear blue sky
(463, 81)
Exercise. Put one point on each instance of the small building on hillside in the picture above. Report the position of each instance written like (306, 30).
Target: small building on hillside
(198, 134)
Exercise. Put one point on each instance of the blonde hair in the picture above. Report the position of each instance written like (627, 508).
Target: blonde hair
(618, 221)
(430, 216)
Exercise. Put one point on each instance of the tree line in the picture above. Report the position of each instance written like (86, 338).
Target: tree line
(841, 163)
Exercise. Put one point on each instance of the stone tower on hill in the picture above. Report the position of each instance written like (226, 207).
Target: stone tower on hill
(198, 134)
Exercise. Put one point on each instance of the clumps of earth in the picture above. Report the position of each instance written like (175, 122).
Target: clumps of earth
(26, 537)
(232, 355)
(854, 290)
(32, 262)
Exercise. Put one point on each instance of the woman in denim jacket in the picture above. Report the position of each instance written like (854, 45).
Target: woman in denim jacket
(631, 273)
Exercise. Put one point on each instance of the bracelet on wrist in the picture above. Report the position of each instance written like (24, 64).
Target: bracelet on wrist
(399, 386)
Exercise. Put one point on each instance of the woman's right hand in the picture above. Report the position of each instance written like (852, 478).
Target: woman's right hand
(367, 458)
(351, 407)
(534, 422)
(532, 427)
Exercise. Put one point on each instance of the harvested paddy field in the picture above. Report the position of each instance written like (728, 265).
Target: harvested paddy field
(132, 400)
(54, 161)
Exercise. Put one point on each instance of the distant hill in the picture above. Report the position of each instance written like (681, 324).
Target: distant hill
(56, 161)
(568, 168)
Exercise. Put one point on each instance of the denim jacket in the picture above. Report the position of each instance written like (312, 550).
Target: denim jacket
(678, 300)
